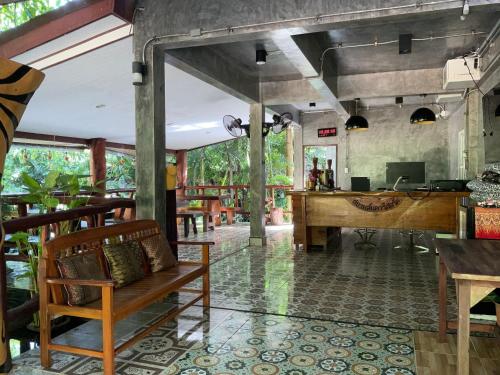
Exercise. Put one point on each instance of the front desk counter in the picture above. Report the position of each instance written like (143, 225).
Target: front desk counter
(418, 210)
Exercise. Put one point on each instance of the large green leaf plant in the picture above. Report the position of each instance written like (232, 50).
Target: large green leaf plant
(46, 196)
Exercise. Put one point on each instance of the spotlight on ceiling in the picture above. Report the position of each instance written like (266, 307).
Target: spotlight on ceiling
(356, 122)
(423, 116)
(260, 56)
(312, 104)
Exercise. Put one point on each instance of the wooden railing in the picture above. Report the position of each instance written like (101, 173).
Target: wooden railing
(94, 215)
(236, 193)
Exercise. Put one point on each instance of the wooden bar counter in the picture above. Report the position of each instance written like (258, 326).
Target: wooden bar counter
(420, 210)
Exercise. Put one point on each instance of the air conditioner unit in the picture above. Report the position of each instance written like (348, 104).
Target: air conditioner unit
(456, 75)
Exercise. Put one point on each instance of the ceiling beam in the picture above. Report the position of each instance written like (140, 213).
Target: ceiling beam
(304, 52)
(364, 86)
(395, 83)
(205, 64)
(60, 140)
(293, 91)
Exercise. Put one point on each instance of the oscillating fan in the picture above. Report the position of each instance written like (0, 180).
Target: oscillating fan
(234, 125)
(281, 122)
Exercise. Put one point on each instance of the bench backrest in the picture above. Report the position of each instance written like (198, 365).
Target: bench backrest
(87, 241)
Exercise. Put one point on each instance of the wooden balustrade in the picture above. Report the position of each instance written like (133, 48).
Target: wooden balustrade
(93, 214)
(270, 190)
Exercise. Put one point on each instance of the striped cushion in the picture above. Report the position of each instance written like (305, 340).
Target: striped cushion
(159, 253)
(125, 262)
(81, 266)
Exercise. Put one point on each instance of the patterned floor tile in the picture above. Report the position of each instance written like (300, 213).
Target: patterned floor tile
(280, 310)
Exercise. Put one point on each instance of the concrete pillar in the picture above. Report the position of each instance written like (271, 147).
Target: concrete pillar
(181, 161)
(298, 157)
(257, 177)
(474, 125)
(97, 148)
(150, 139)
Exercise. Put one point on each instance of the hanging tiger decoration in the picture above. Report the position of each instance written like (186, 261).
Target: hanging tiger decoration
(18, 83)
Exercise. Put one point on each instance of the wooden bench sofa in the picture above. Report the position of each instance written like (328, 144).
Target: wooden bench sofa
(115, 303)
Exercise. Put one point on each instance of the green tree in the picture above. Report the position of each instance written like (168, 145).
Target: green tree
(37, 161)
(15, 14)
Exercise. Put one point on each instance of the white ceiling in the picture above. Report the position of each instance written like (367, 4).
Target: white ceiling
(65, 104)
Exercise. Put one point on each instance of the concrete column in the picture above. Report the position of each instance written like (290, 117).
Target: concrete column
(474, 125)
(298, 157)
(257, 177)
(150, 139)
(97, 148)
(181, 161)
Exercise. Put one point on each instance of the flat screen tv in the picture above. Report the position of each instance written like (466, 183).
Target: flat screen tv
(413, 172)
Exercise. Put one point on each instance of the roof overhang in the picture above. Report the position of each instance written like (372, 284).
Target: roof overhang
(114, 18)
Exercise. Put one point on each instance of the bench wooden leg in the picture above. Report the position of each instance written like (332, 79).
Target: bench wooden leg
(230, 217)
(45, 334)
(206, 276)
(186, 226)
(108, 346)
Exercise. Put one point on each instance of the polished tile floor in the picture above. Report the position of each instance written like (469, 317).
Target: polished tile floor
(281, 311)
(377, 286)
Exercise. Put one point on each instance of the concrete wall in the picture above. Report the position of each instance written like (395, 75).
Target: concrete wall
(390, 138)
(491, 124)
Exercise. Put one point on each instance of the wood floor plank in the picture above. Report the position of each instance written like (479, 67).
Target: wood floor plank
(444, 364)
(429, 342)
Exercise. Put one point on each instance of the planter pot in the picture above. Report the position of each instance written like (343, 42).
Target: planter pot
(276, 216)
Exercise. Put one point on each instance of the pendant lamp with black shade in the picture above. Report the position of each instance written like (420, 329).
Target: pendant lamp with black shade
(356, 122)
(423, 116)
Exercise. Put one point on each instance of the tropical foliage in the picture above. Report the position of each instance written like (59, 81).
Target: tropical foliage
(37, 161)
(17, 13)
(228, 163)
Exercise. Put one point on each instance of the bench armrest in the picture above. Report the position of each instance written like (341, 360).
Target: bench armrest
(82, 282)
(192, 243)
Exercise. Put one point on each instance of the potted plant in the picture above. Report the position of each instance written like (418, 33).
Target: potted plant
(43, 195)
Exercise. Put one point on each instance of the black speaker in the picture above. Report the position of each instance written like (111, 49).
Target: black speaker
(449, 185)
(405, 43)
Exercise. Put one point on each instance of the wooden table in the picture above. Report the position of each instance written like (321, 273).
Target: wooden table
(212, 204)
(418, 210)
(475, 267)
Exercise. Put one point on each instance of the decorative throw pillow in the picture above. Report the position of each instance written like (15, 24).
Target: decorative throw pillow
(125, 262)
(158, 252)
(81, 266)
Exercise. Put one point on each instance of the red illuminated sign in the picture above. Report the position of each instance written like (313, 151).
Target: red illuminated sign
(327, 132)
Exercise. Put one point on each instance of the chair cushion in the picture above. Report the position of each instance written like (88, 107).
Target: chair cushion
(158, 252)
(125, 261)
(81, 266)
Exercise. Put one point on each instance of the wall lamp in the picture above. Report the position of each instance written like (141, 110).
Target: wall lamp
(138, 73)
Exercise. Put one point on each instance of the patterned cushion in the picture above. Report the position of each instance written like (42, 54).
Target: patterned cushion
(125, 262)
(159, 253)
(81, 266)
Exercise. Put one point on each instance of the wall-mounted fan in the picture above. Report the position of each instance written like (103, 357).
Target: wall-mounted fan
(234, 125)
